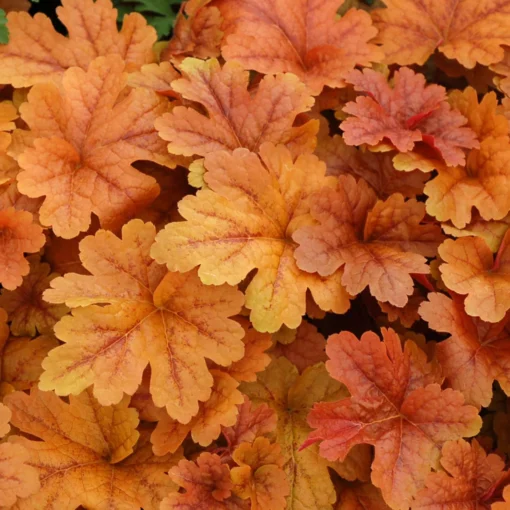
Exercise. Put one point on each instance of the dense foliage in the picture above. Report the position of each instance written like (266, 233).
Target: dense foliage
(262, 265)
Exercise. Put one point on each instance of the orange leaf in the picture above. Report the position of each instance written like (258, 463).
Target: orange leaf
(28, 312)
(255, 358)
(469, 476)
(378, 244)
(235, 116)
(307, 349)
(207, 484)
(260, 476)
(18, 235)
(407, 113)
(470, 269)
(475, 354)
(505, 505)
(251, 423)
(469, 31)
(291, 396)
(312, 43)
(21, 360)
(157, 77)
(376, 168)
(360, 496)
(220, 410)
(169, 320)
(245, 221)
(397, 405)
(86, 143)
(87, 454)
(36, 53)
(197, 32)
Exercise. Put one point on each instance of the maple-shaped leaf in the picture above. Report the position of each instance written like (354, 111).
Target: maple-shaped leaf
(169, 320)
(28, 312)
(470, 268)
(469, 31)
(397, 405)
(220, 410)
(378, 243)
(20, 365)
(87, 454)
(18, 235)
(245, 221)
(86, 143)
(17, 477)
(37, 53)
(467, 480)
(260, 476)
(475, 354)
(455, 191)
(235, 117)
(308, 347)
(197, 32)
(291, 396)
(405, 113)
(375, 168)
(312, 43)
(251, 423)
(207, 485)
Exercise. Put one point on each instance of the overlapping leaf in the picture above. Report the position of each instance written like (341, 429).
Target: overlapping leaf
(37, 53)
(378, 244)
(475, 354)
(85, 144)
(470, 269)
(87, 454)
(470, 31)
(169, 320)
(311, 43)
(292, 395)
(397, 405)
(245, 221)
(468, 479)
(235, 116)
(407, 113)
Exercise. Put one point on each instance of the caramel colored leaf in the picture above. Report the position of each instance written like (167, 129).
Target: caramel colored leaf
(360, 496)
(251, 423)
(291, 396)
(220, 410)
(378, 244)
(157, 77)
(17, 477)
(236, 117)
(469, 475)
(21, 360)
(87, 454)
(307, 349)
(475, 354)
(37, 53)
(470, 31)
(406, 113)
(207, 485)
(18, 235)
(14, 5)
(469, 268)
(311, 43)
(132, 312)
(28, 312)
(397, 405)
(260, 476)
(245, 222)
(376, 168)
(86, 142)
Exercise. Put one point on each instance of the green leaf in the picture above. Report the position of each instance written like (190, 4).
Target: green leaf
(4, 31)
(158, 13)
